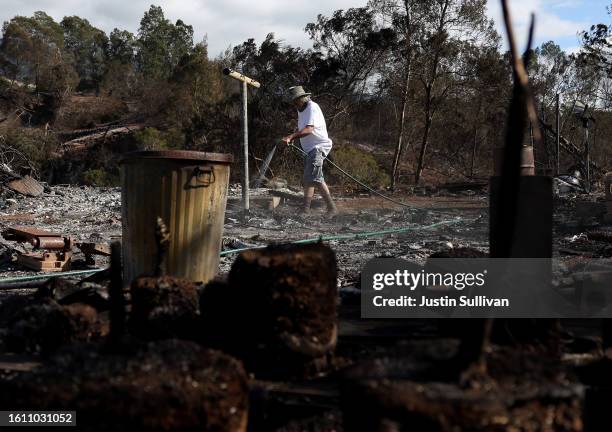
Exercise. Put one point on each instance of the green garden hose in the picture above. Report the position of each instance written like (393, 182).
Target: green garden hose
(7, 282)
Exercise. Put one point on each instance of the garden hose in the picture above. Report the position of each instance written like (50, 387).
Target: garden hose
(11, 283)
(374, 191)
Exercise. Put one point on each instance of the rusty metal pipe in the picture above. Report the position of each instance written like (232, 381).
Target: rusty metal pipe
(49, 243)
(527, 161)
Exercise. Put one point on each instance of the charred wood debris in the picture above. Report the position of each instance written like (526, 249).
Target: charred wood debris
(276, 342)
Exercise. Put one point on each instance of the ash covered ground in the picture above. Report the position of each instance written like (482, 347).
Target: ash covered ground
(94, 214)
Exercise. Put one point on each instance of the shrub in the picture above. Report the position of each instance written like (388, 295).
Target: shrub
(360, 164)
(154, 139)
(26, 150)
(98, 177)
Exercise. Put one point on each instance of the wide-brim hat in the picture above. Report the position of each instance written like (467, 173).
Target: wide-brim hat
(296, 92)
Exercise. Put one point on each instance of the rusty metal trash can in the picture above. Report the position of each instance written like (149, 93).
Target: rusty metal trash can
(188, 190)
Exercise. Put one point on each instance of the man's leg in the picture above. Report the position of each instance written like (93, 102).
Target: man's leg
(308, 195)
(307, 180)
(324, 191)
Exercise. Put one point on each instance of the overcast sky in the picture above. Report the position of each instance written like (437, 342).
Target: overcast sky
(230, 22)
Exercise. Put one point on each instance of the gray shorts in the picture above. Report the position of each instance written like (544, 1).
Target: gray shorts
(313, 167)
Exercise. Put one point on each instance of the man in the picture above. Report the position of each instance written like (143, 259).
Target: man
(312, 132)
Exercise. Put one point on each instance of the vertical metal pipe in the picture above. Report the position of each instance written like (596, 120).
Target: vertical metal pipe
(545, 148)
(558, 121)
(587, 156)
(245, 148)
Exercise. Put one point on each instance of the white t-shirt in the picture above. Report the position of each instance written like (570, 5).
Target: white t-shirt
(313, 116)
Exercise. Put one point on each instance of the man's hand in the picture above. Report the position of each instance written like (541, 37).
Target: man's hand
(299, 134)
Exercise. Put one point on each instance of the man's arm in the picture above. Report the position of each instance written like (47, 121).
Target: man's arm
(299, 134)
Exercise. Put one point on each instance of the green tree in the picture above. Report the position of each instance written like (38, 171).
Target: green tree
(121, 78)
(597, 45)
(596, 57)
(88, 47)
(161, 44)
(196, 90)
(32, 51)
(351, 46)
(122, 47)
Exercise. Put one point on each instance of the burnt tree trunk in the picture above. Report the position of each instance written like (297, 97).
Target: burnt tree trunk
(425, 141)
(405, 91)
(475, 143)
(429, 93)
(474, 151)
(400, 134)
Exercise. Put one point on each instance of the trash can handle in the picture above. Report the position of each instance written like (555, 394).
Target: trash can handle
(201, 176)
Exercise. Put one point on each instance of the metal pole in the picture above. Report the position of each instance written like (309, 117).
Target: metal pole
(245, 82)
(588, 156)
(245, 148)
(558, 121)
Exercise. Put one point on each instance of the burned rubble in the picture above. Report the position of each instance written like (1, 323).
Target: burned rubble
(44, 326)
(287, 318)
(192, 305)
(288, 296)
(89, 215)
(412, 388)
(198, 388)
(163, 307)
